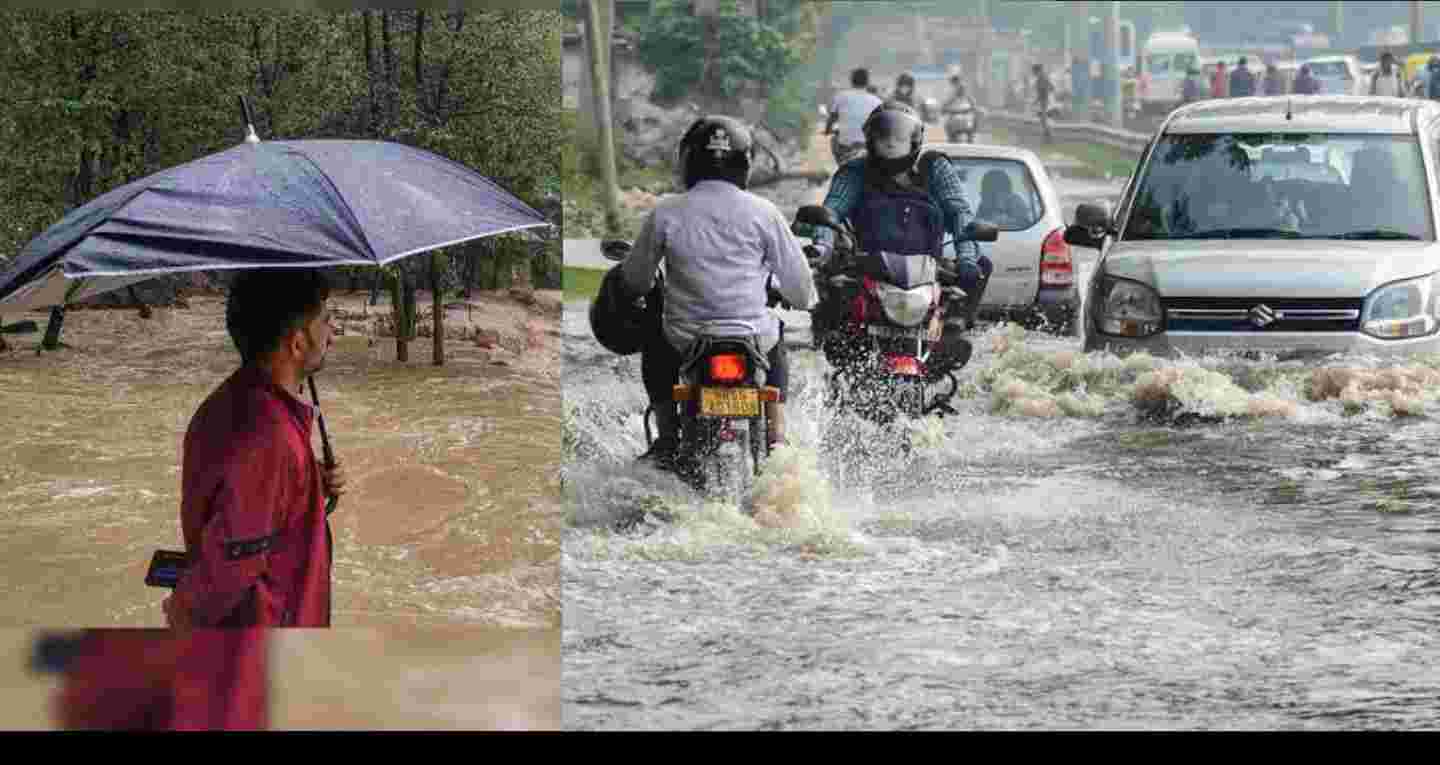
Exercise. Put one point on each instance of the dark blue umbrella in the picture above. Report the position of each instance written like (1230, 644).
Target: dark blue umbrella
(311, 204)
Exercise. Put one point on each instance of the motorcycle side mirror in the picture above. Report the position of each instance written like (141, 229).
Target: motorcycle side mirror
(980, 231)
(615, 249)
(818, 215)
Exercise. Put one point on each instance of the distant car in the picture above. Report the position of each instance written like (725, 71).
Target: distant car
(1034, 273)
(1340, 75)
(1293, 225)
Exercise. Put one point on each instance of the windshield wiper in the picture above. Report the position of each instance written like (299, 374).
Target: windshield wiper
(1241, 233)
(1379, 233)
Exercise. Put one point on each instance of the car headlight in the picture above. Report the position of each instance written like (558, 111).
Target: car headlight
(1129, 309)
(905, 307)
(1403, 309)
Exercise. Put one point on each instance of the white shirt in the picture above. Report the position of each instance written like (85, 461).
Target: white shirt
(853, 106)
(719, 245)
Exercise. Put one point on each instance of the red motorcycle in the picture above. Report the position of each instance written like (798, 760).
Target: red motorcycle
(880, 322)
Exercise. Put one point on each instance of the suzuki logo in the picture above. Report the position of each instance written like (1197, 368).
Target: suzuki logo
(1262, 316)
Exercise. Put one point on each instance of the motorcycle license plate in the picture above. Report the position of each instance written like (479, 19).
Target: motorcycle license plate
(877, 330)
(729, 402)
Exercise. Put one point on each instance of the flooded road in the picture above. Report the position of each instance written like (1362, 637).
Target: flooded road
(1093, 542)
(451, 516)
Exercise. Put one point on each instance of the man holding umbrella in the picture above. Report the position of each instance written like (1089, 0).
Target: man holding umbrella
(252, 491)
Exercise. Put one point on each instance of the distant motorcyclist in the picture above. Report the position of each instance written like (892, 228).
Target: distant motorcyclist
(904, 89)
(1432, 80)
(877, 193)
(848, 111)
(960, 103)
(720, 246)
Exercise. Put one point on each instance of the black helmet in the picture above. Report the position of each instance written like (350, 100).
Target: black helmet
(859, 78)
(904, 79)
(893, 135)
(715, 148)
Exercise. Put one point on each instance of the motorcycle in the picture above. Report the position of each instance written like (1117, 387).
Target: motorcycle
(961, 121)
(720, 399)
(880, 320)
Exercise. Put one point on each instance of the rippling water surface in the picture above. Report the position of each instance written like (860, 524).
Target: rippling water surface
(1093, 542)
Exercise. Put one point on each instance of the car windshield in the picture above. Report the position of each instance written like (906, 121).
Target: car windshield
(1000, 191)
(1300, 186)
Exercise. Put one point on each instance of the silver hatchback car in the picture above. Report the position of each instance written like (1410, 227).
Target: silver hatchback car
(1292, 225)
(1034, 273)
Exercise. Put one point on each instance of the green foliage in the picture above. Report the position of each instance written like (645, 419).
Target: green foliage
(582, 283)
(137, 91)
(747, 51)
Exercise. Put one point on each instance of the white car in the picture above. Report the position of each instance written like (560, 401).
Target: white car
(1339, 75)
(1034, 273)
(1294, 225)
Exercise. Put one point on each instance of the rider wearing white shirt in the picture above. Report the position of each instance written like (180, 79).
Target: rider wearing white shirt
(849, 110)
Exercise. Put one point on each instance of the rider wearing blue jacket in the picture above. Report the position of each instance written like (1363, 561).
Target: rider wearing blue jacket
(865, 191)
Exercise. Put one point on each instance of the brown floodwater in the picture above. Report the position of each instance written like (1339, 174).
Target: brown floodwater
(393, 678)
(452, 511)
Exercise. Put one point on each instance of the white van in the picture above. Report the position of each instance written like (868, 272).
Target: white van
(1339, 75)
(1166, 58)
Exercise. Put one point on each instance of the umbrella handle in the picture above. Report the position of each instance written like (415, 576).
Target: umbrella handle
(324, 441)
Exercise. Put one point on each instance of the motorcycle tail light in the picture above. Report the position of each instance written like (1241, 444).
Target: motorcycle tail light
(727, 368)
(903, 365)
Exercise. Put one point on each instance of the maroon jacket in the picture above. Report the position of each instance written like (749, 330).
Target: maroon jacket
(252, 509)
(154, 680)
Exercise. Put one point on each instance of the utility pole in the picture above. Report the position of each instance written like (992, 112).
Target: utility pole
(597, 39)
(983, 67)
(1337, 23)
(1080, 67)
(1114, 115)
(1416, 33)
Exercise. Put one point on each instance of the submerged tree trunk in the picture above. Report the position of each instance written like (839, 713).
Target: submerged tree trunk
(437, 306)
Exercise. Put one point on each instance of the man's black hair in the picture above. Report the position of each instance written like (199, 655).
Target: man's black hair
(859, 78)
(266, 304)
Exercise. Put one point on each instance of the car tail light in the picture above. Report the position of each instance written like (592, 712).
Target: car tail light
(1057, 269)
(727, 367)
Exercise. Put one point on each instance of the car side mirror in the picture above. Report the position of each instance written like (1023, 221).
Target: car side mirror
(980, 231)
(1082, 237)
(1092, 216)
(615, 249)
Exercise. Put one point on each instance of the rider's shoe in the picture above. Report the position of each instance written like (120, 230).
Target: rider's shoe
(661, 455)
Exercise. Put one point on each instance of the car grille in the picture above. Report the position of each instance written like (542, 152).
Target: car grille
(1247, 314)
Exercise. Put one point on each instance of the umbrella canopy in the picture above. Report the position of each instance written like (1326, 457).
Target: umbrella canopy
(303, 204)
